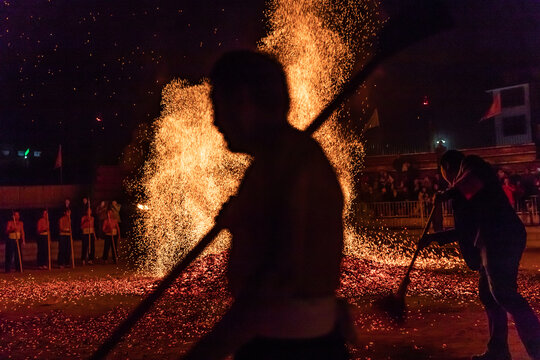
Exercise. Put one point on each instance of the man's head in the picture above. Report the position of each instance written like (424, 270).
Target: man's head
(85, 200)
(250, 97)
(450, 165)
(45, 213)
(16, 215)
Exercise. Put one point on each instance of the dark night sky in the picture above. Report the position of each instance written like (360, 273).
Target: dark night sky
(65, 62)
(493, 44)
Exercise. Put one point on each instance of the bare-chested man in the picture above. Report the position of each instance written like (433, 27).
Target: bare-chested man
(286, 223)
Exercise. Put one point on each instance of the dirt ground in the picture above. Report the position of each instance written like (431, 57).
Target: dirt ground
(66, 314)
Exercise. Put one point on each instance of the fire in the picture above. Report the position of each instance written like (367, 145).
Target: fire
(192, 174)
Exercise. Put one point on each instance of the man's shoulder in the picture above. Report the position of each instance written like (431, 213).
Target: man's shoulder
(474, 160)
(477, 165)
(297, 146)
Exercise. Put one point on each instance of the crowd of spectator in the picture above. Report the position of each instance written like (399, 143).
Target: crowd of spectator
(393, 186)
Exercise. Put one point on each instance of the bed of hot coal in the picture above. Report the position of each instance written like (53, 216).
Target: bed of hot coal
(69, 317)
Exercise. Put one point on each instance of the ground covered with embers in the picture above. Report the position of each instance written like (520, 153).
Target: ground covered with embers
(66, 314)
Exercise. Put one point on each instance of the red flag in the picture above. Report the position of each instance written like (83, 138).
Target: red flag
(58, 163)
(373, 121)
(494, 109)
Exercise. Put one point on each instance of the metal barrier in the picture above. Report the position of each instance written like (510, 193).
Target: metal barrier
(405, 208)
(528, 211)
(404, 213)
(414, 213)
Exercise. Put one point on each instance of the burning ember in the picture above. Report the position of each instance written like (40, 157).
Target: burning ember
(58, 315)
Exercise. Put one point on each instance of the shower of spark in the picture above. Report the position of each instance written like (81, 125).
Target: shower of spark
(188, 179)
(192, 173)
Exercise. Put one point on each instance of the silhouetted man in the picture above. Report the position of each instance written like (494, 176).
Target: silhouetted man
(492, 239)
(286, 223)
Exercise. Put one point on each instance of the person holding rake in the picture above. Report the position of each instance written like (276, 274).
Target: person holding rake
(491, 238)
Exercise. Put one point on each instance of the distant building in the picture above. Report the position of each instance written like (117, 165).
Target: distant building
(513, 123)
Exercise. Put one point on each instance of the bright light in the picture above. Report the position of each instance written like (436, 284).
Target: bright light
(143, 207)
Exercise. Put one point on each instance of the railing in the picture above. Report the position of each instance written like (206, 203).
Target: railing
(395, 149)
(415, 213)
(528, 211)
(405, 213)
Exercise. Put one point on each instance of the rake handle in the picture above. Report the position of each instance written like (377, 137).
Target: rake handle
(402, 290)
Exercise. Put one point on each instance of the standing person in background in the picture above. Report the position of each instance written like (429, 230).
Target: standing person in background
(64, 241)
(85, 205)
(15, 233)
(43, 241)
(101, 216)
(112, 233)
(79, 212)
(67, 204)
(88, 237)
(115, 207)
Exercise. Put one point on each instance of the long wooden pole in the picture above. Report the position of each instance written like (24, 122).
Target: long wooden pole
(71, 242)
(88, 229)
(49, 239)
(402, 290)
(405, 30)
(112, 240)
(20, 255)
(89, 206)
(95, 241)
(114, 250)
(17, 242)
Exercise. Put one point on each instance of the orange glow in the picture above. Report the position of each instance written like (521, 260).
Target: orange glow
(191, 173)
